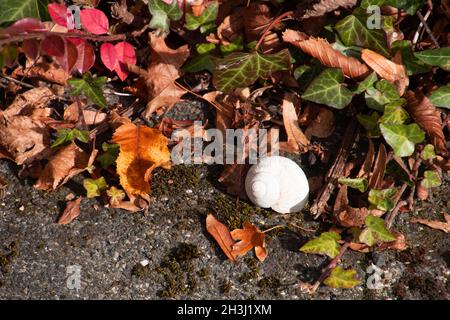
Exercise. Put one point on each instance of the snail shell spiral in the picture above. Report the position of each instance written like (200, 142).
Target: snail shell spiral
(278, 183)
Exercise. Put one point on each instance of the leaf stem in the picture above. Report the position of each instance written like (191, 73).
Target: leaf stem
(41, 35)
(270, 26)
(273, 228)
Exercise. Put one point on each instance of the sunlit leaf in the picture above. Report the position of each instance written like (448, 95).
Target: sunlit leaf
(402, 138)
(436, 57)
(327, 89)
(207, 17)
(13, 10)
(441, 97)
(340, 278)
(91, 87)
(355, 183)
(431, 179)
(240, 69)
(353, 31)
(95, 187)
(428, 152)
(326, 243)
(375, 231)
(162, 13)
(382, 199)
(67, 135)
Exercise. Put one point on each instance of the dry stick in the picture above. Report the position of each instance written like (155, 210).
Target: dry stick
(23, 84)
(397, 205)
(415, 173)
(335, 171)
(40, 35)
(270, 26)
(427, 28)
(419, 31)
(326, 273)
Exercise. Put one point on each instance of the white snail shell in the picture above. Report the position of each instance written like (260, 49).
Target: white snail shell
(278, 183)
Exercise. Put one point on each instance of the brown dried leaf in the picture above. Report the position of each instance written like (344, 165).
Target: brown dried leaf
(71, 212)
(51, 72)
(250, 237)
(257, 18)
(165, 63)
(322, 126)
(324, 52)
(377, 175)
(364, 172)
(296, 138)
(90, 117)
(439, 225)
(27, 103)
(428, 117)
(221, 234)
(230, 28)
(306, 9)
(24, 139)
(66, 163)
(392, 71)
(353, 217)
(422, 192)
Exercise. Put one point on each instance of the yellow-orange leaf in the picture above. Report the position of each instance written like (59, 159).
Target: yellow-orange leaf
(324, 52)
(393, 72)
(142, 149)
(250, 237)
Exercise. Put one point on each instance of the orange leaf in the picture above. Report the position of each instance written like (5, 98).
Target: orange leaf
(250, 237)
(142, 149)
(296, 138)
(324, 52)
(71, 211)
(393, 72)
(428, 117)
(221, 234)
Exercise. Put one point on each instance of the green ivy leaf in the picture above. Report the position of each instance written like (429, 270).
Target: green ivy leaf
(111, 151)
(91, 87)
(242, 69)
(355, 183)
(327, 89)
(436, 57)
(410, 6)
(441, 97)
(208, 16)
(162, 13)
(326, 243)
(375, 231)
(370, 123)
(95, 187)
(367, 83)
(12, 10)
(236, 45)
(412, 64)
(67, 135)
(353, 31)
(382, 94)
(340, 278)
(431, 179)
(402, 138)
(382, 199)
(394, 113)
(428, 152)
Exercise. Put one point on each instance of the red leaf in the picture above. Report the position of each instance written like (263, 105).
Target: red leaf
(53, 46)
(25, 25)
(125, 55)
(94, 21)
(31, 48)
(58, 13)
(108, 55)
(69, 58)
(85, 56)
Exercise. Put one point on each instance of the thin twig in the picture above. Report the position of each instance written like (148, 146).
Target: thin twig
(427, 28)
(41, 35)
(397, 205)
(270, 26)
(327, 271)
(23, 84)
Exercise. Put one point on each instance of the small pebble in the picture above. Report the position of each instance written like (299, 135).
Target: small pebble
(21, 208)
